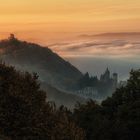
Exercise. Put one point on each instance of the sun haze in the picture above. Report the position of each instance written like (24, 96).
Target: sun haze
(45, 21)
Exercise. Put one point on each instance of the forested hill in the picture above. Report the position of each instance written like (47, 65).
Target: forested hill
(34, 58)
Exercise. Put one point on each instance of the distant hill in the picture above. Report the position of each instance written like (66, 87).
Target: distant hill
(54, 71)
(51, 68)
(62, 98)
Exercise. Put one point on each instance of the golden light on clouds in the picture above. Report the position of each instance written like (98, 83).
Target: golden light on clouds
(60, 17)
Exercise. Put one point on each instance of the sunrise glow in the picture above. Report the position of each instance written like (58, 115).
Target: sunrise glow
(46, 20)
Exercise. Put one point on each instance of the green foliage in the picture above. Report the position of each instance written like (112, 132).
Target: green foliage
(117, 118)
(25, 114)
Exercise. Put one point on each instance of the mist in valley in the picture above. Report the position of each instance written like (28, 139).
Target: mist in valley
(97, 65)
(59, 78)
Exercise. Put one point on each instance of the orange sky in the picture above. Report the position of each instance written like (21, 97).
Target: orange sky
(45, 21)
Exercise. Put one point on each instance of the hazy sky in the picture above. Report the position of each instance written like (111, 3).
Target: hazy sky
(49, 20)
(59, 22)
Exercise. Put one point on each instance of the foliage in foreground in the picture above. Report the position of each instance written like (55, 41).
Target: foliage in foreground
(117, 118)
(25, 114)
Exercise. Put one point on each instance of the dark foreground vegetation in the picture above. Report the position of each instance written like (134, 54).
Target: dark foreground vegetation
(117, 118)
(26, 115)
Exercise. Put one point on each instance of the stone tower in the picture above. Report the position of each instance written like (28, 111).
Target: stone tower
(11, 37)
(115, 80)
(106, 76)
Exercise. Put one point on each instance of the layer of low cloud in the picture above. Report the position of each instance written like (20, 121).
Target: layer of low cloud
(92, 47)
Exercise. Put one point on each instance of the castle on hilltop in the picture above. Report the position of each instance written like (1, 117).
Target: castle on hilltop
(11, 37)
(94, 87)
(108, 78)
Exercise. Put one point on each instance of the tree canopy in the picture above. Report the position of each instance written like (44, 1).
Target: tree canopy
(117, 118)
(26, 115)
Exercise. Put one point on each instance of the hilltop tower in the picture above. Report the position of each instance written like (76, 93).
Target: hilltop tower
(12, 37)
(115, 80)
(106, 76)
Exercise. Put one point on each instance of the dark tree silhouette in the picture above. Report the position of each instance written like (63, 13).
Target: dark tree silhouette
(117, 118)
(25, 114)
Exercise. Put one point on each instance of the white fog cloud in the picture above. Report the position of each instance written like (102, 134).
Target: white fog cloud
(97, 47)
